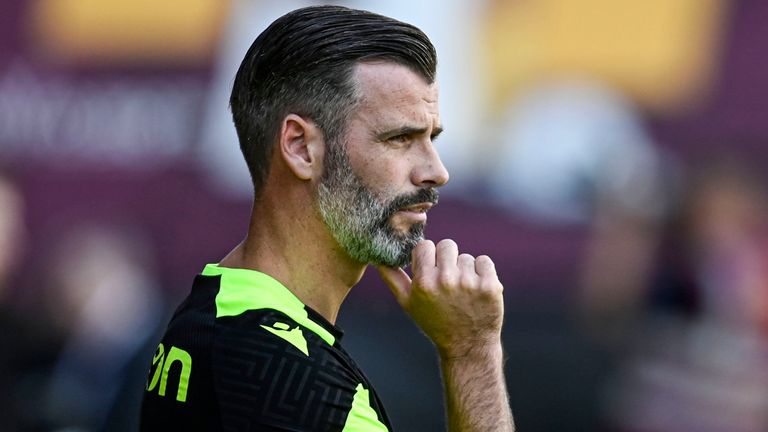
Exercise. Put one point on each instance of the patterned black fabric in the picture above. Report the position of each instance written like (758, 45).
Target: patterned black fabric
(243, 377)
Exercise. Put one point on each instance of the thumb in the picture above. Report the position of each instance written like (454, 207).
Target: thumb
(398, 282)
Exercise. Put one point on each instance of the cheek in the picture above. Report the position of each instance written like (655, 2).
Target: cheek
(389, 175)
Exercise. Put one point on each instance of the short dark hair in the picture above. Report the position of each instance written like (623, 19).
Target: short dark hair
(303, 64)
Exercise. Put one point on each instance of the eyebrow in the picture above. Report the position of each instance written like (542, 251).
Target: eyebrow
(408, 130)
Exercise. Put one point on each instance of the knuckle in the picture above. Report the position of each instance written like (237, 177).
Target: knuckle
(422, 281)
(491, 287)
(447, 278)
(428, 291)
(468, 281)
(425, 291)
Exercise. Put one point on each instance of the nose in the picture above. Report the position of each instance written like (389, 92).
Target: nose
(430, 170)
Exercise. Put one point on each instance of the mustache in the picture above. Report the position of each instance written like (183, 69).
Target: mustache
(425, 195)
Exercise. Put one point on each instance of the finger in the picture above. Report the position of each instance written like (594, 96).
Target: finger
(446, 254)
(467, 276)
(398, 282)
(423, 257)
(466, 263)
(484, 266)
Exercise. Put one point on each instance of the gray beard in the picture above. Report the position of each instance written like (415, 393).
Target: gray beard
(359, 220)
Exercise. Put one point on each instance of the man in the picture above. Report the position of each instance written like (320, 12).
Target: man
(336, 113)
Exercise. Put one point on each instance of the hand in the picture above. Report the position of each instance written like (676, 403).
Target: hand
(455, 299)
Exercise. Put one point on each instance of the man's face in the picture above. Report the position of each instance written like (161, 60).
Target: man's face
(377, 186)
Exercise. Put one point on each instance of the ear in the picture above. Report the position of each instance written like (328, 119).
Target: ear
(301, 145)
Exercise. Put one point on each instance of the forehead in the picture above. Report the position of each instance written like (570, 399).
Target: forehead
(393, 93)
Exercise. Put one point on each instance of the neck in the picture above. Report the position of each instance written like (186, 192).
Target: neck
(296, 248)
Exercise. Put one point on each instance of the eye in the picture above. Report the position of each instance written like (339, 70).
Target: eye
(400, 140)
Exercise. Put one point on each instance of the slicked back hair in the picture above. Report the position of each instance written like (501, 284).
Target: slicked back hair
(303, 64)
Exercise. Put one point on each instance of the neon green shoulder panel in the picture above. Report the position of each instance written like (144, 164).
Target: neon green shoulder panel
(242, 290)
(363, 418)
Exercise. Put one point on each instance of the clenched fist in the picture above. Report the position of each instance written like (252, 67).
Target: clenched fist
(455, 298)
